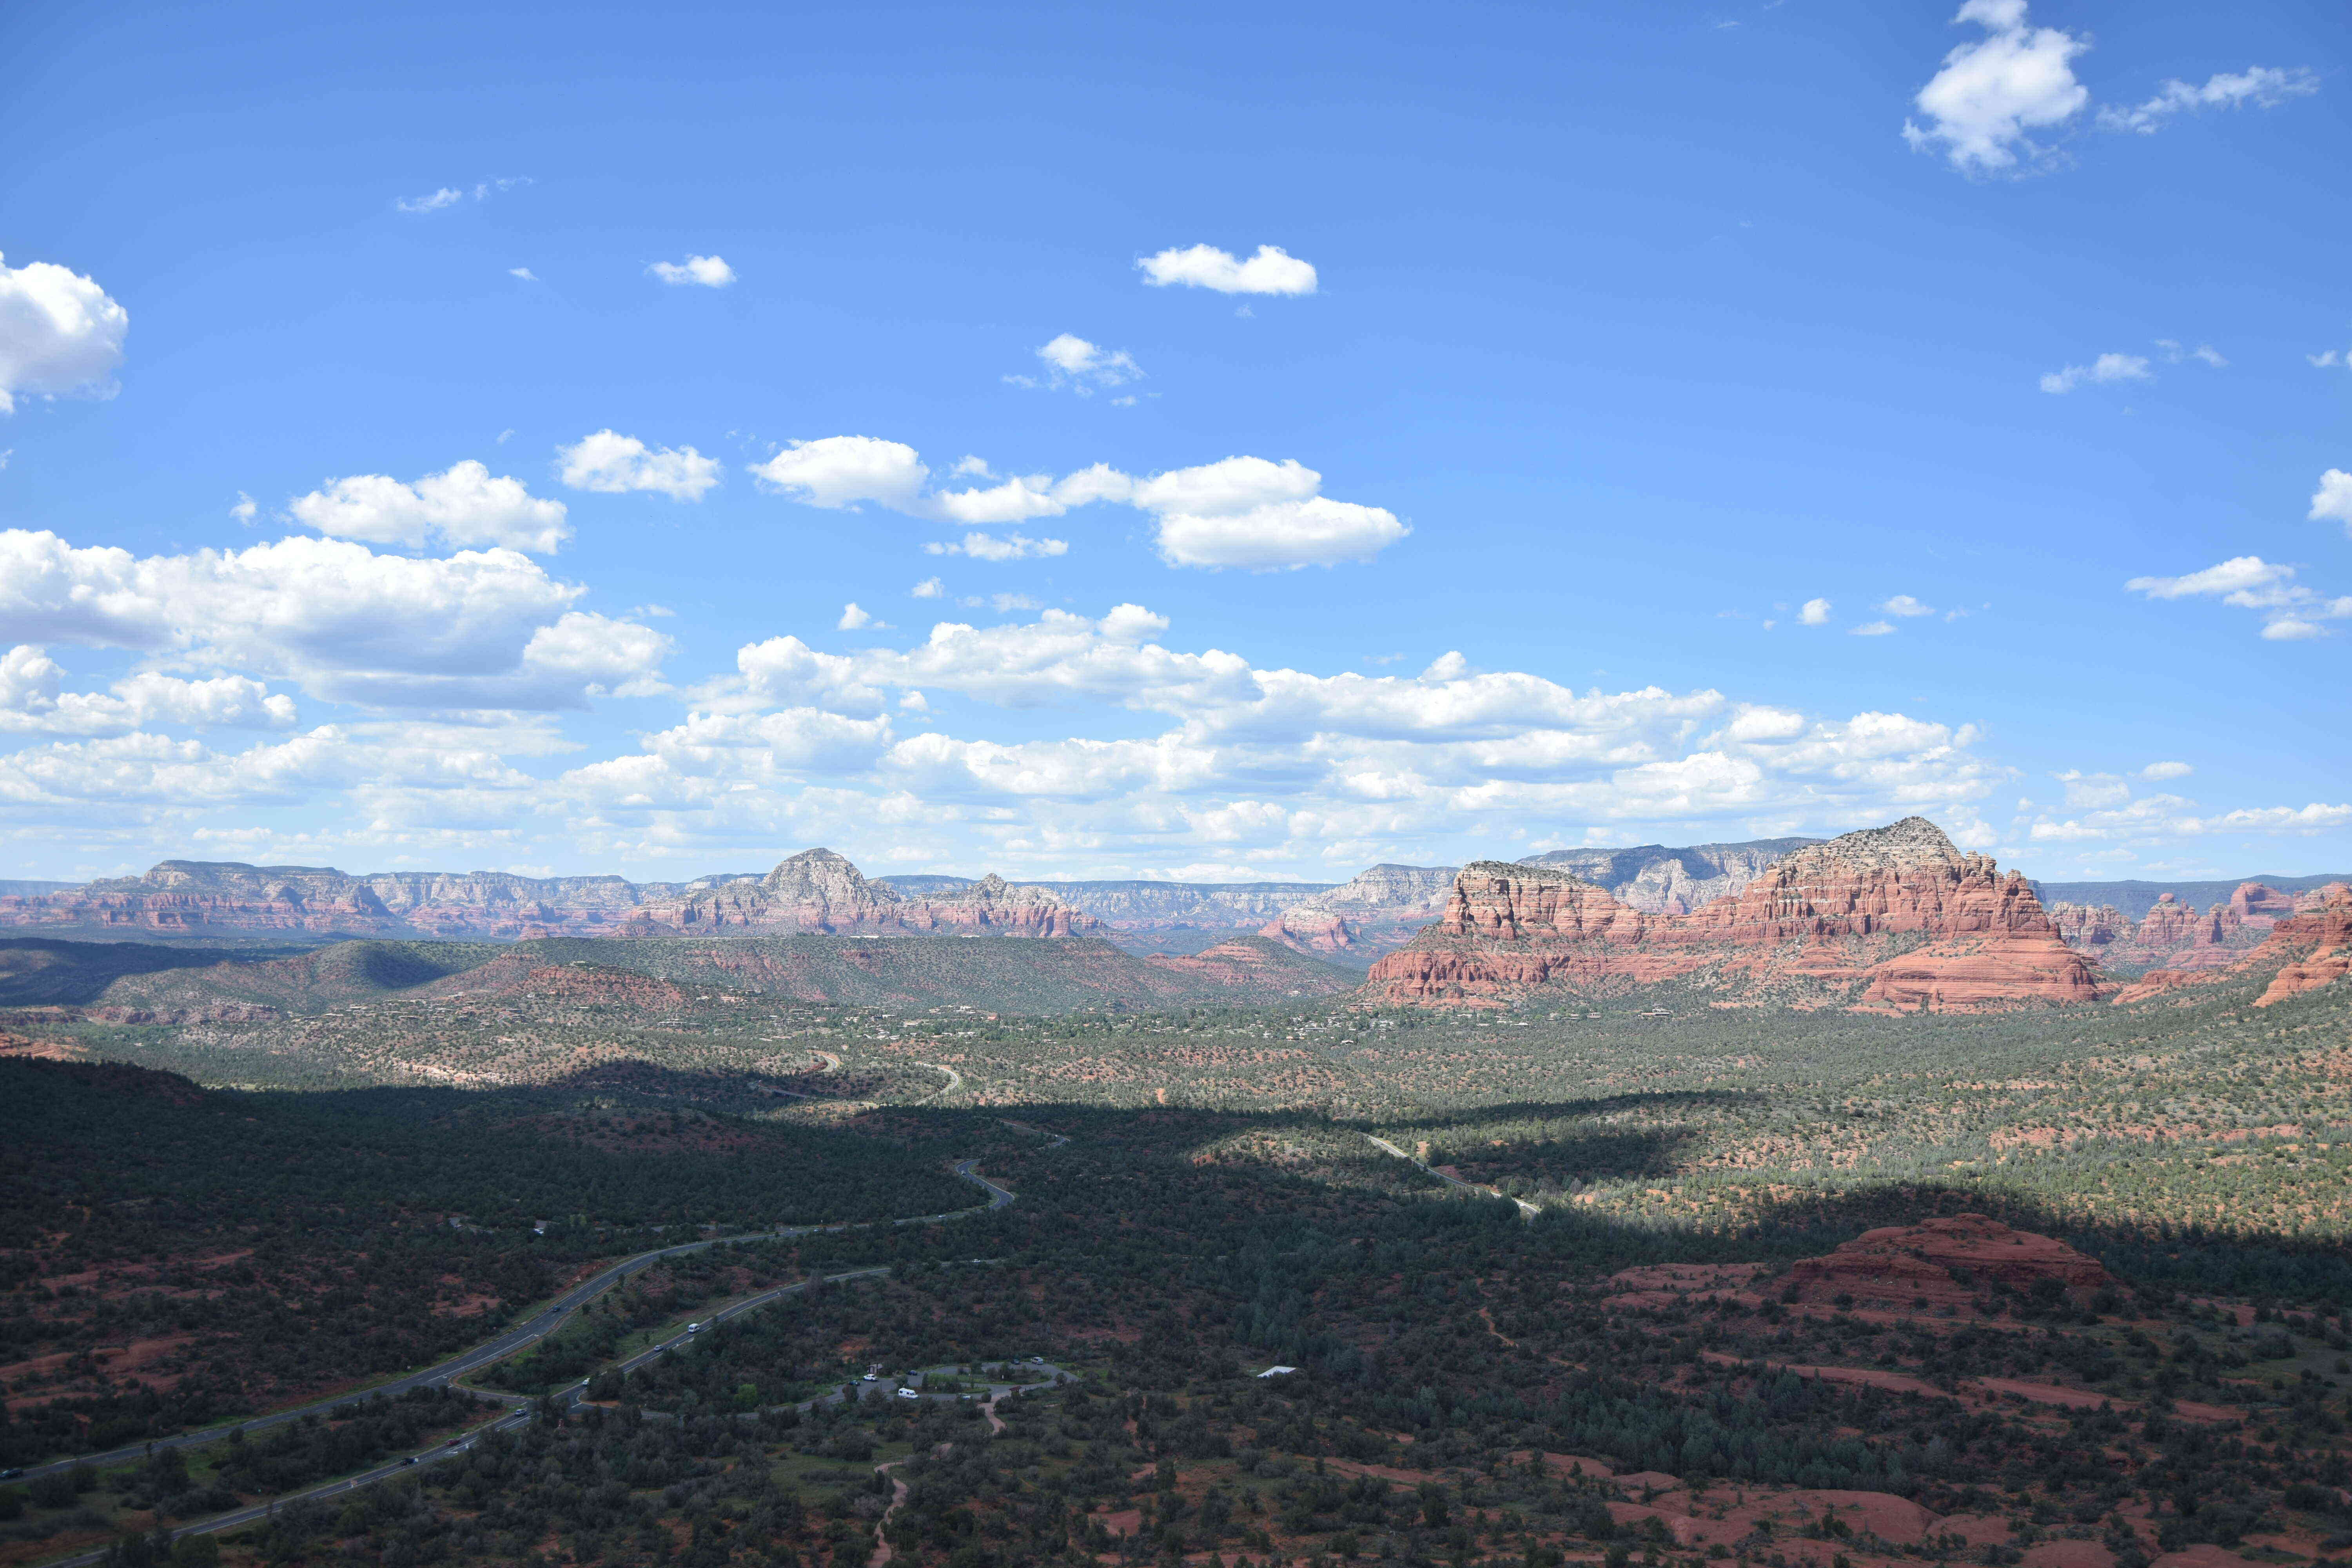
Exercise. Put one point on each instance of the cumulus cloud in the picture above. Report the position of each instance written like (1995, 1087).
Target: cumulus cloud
(1872, 629)
(1906, 606)
(2105, 370)
(2330, 359)
(2333, 499)
(462, 505)
(929, 588)
(2158, 772)
(2292, 612)
(1272, 270)
(60, 334)
(989, 547)
(613, 464)
(702, 271)
(1992, 92)
(2263, 86)
(32, 703)
(1814, 613)
(842, 471)
(853, 620)
(244, 510)
(2159, 818)
(1072, 362)
(479, 629)
(1242, 511)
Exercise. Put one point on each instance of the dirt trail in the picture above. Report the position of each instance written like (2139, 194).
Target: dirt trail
(883, 1551)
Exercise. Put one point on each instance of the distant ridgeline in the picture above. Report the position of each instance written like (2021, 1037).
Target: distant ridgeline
(1893, 917)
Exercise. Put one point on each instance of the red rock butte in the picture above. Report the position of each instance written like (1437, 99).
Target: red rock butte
(1947, 1262)
(1895, 917)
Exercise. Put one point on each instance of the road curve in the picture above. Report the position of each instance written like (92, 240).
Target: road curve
(1526, 1209)
(554, 1316)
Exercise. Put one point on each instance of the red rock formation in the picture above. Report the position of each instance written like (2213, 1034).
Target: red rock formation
(1840, 922)
(1946, 1260)
(819, 890)
(2328, 931)
(2306, 949)
(1309, 930)
(1255, 965)
(2089, 925)
(2258, 902)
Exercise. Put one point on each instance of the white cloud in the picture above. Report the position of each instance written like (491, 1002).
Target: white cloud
(1272, 270)
(2167, 817)
(2292, 612)
(842, 471)
(31, 703)
(1815, 613)
(2203, 353)
(1872, 629)
(1990, 93)
(613, 463)
(2247, 580)
(480, 629)
(1262, 516)
(463, 505)
(244, 510)
(2264, 87)
(2162, 770)
(988, 547)
(1242, 511)
(2330, 359)
(2095, 789)
(60, 334)
(2333, 499)
(525, 273)
(929, 588)
(2105, 370)
(432, 201)
(1906, 606)
(1072, 362)
(853, 620)
(705, 271)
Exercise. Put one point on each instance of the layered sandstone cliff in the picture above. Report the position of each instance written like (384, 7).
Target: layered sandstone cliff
(2174, 934)
(1659, 879)
(817, 890)
(2304, 950)
(1377, 911)
(1893, 917)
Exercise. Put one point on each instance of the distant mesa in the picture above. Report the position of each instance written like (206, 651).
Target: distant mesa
(1949, 1261)
(815, 890)
(1892, 917)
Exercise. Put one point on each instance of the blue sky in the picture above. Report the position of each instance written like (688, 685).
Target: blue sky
(455, 437)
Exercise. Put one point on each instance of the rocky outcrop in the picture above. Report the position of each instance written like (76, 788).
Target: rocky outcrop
(1947, 1261)
(1663, 880)
(2174, 934)
(819, 890)
(1379, 909)
(2326, 929)
(2304, 951)
(2090, 927)
(1895, 917)
(1253, 966)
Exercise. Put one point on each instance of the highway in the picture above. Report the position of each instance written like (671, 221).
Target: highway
(554, 1316)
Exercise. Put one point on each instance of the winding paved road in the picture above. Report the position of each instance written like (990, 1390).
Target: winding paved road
(516, 1339)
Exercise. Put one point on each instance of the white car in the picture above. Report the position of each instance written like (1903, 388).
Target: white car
(909, 1394)
(873, 1377)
